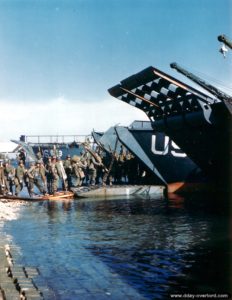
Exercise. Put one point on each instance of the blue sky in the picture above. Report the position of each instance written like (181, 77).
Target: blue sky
(66, 54)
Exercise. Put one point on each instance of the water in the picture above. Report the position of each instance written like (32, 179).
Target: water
(124, 248)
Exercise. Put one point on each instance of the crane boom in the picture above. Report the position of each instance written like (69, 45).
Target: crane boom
(210, 88)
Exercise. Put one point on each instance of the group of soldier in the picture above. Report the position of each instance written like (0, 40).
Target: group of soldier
(89, 168)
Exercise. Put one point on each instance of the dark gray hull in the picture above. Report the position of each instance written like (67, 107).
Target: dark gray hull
(160, 156)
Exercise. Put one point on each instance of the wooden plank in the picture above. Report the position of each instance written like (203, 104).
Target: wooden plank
(63, 195)
(58, 196)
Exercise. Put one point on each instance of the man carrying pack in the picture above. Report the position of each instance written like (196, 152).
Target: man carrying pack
(77, 170)
(19, 177)
(93, 164)
(2, 179)
(36, 177)
(68, 170)
(9, 172)
(55, 176)
(49, 175)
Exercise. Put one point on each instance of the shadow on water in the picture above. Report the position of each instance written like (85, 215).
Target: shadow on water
(157, 246)
(180, 245)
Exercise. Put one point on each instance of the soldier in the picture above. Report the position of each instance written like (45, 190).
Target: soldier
(30, 175)
(39, 155)
(84, 161)
(133, 170)
(2, 179)
(111, 169)
(107, 160)
(92, 165)
(55, 176)
(77, 170)
(9, 172)
(115, 173)
(68, 170)
(19, 177)
(43, 175)
(35, 176)
(22, 156)
(49, 175)
(120, 167)
(100, 169)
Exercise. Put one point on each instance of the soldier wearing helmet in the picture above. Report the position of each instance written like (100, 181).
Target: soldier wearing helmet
(68, 170)
(2, 179)
(9, 172)
(19, 177)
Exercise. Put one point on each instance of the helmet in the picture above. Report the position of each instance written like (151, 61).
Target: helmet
(75, 158)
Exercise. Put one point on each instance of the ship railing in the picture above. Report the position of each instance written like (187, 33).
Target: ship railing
(56, 139)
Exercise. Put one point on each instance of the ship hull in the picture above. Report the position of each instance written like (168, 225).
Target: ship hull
(162, 159)
(207, 144)
(158, 152)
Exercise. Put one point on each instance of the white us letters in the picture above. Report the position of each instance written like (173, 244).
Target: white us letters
(169, 147)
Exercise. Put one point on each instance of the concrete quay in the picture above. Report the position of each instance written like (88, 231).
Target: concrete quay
(16, 282)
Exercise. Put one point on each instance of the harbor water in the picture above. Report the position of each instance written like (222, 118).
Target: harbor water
(133, 248)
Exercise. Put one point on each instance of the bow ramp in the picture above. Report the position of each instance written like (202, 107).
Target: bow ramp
(160, 95)
(198, 123)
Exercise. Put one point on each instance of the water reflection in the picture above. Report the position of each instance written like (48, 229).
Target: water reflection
(154, 245)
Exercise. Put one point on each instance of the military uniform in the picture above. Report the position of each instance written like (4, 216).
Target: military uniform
(49, 176)
(43, 175)
(2, 179)
(19, 178)
(119, 172)
(22, 156)
(112, 168)
(36, 177)
(55, 176)
(68, 170)
(77, 171)
(100, 169)
(107, 160)
(132, 170)
(92, 169)
(9, 172)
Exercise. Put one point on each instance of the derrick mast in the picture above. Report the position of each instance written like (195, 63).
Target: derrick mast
(210, 88)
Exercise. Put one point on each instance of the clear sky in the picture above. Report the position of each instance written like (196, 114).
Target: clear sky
(59, 57)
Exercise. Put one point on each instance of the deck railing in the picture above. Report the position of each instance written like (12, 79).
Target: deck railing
(54, 138)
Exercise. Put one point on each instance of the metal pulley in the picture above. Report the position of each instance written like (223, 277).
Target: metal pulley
(223, 50)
